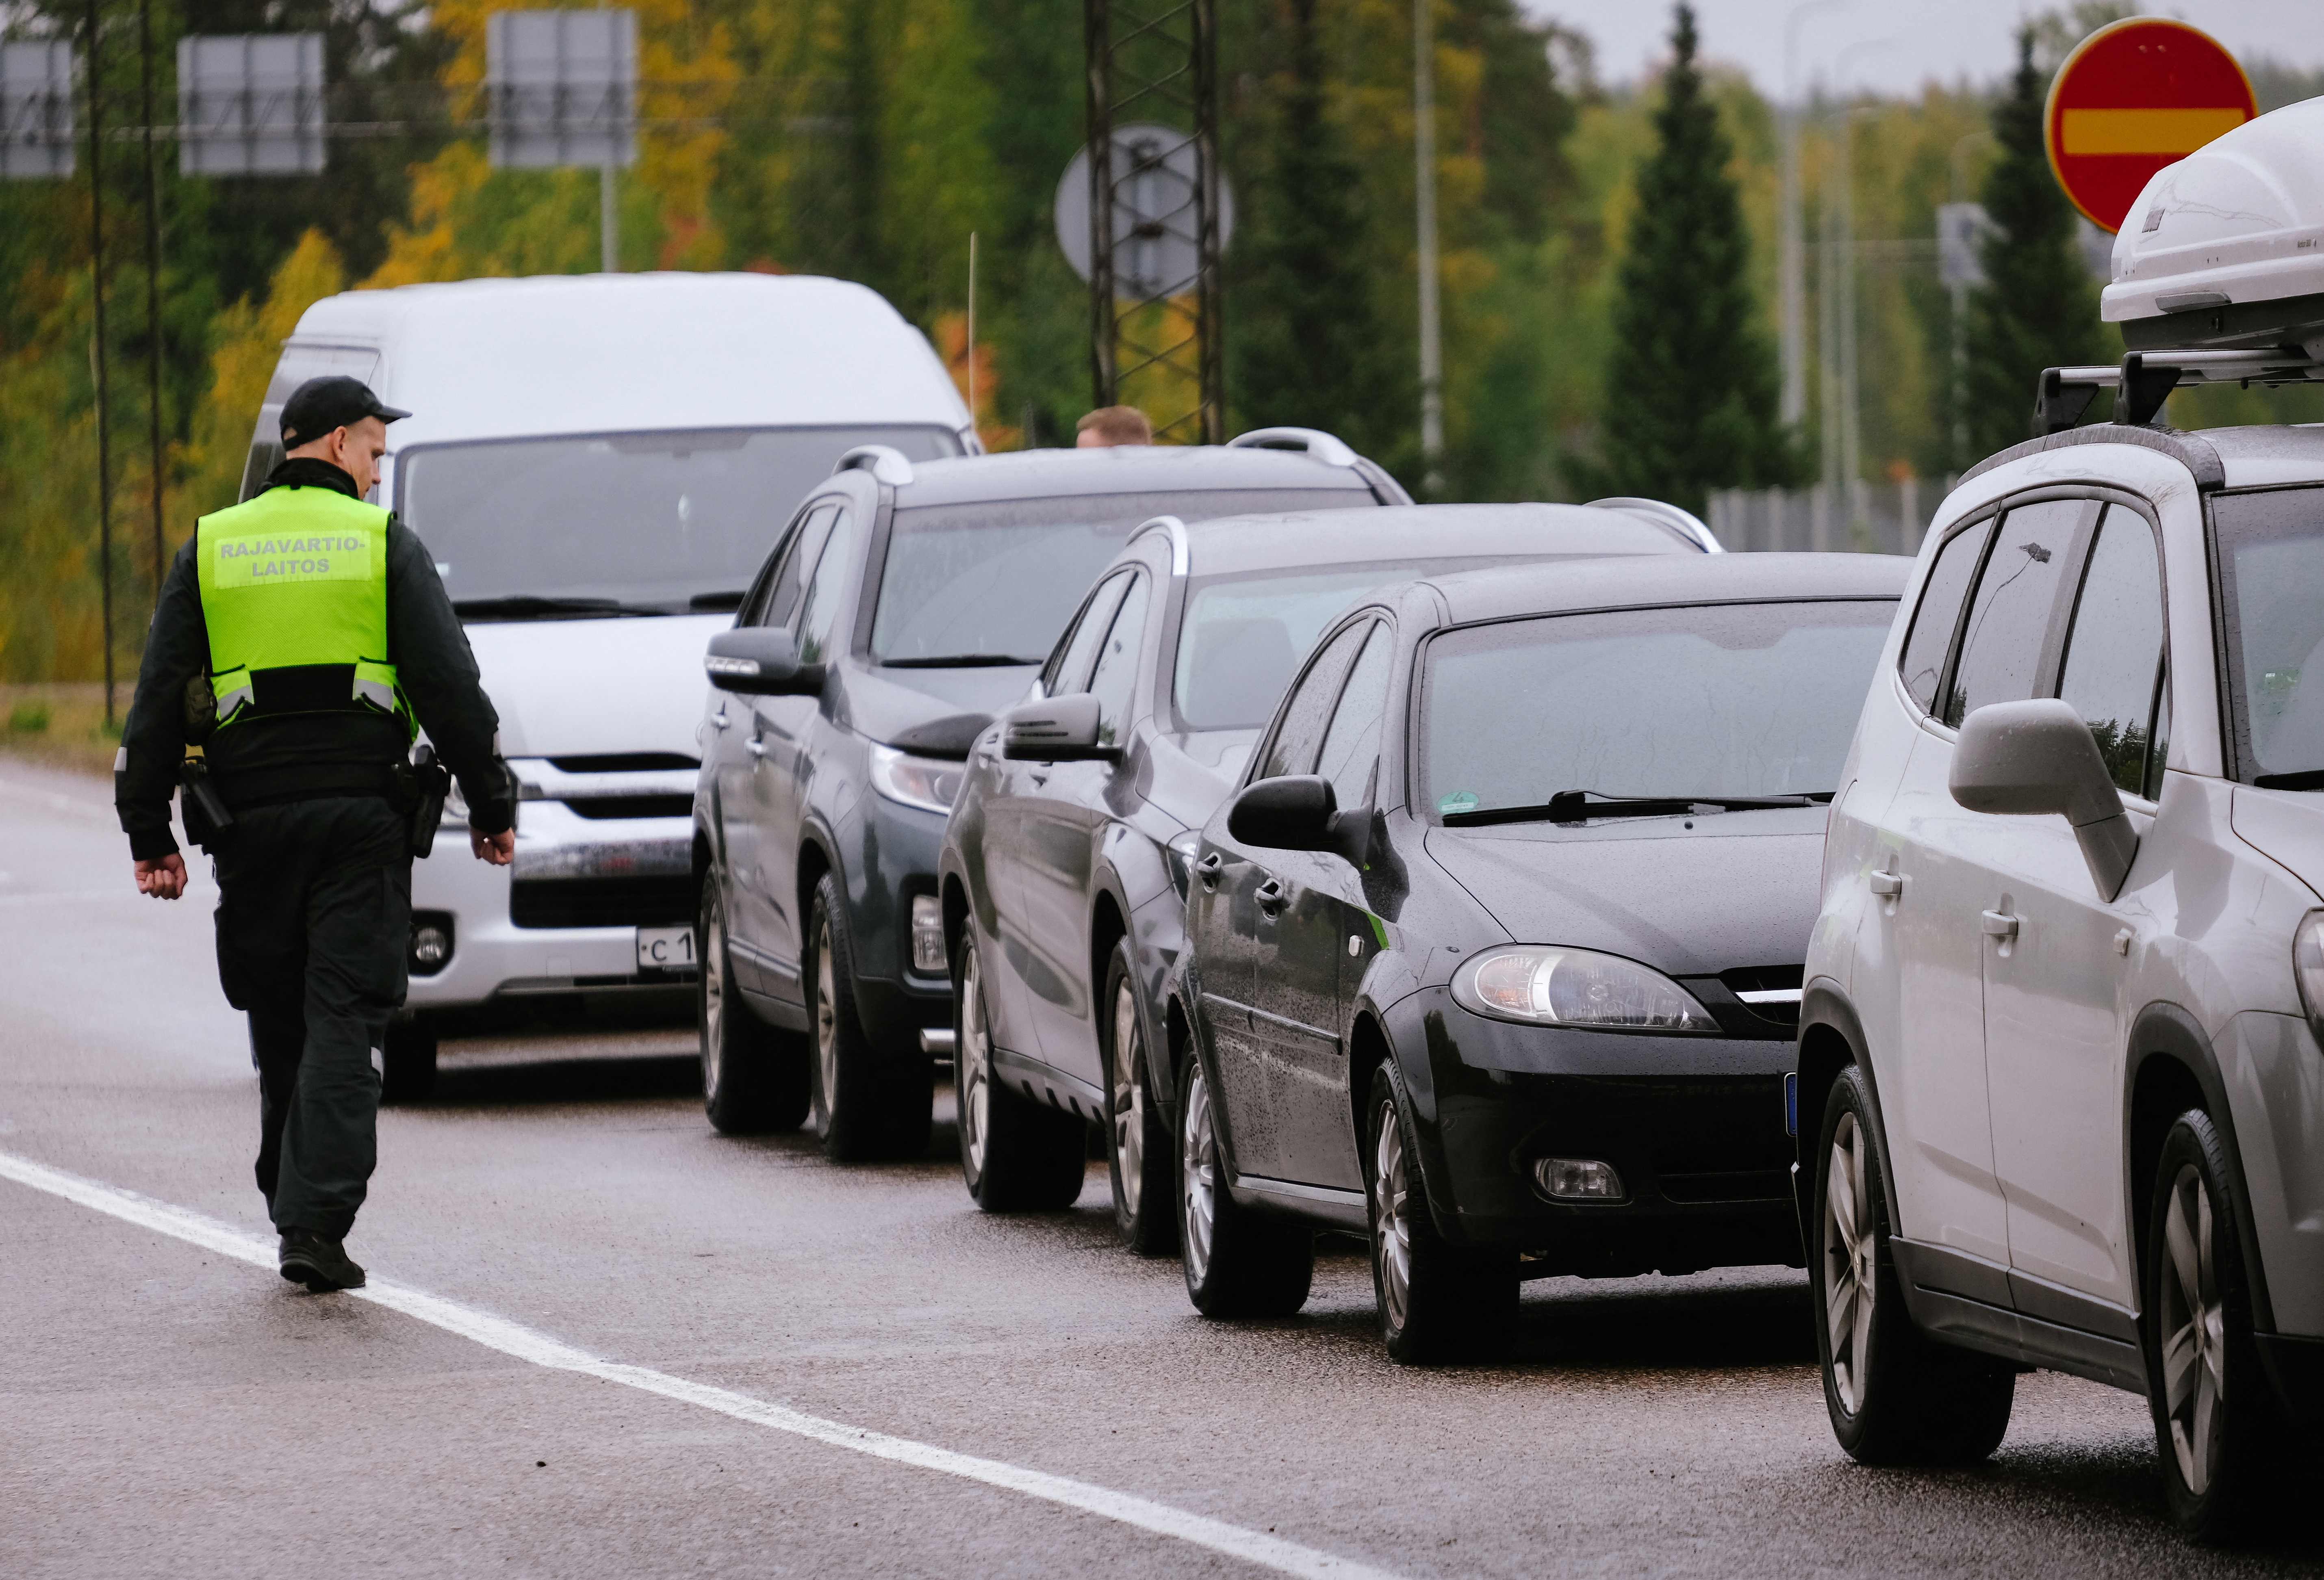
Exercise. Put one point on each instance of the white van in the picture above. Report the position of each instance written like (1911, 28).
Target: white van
(599, 464)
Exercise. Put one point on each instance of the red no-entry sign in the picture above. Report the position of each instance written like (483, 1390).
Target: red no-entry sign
(2133, 96)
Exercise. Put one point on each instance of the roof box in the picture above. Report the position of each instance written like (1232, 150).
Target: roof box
(2225, 248)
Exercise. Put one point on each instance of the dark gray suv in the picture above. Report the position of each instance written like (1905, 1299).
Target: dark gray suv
(903, 606)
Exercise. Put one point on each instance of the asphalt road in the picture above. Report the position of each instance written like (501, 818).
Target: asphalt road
(611, 1342)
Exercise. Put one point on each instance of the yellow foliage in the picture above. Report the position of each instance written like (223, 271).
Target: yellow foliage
(247, 341)
(951, 344)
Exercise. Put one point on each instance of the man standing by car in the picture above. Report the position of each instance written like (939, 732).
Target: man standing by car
(298, 636)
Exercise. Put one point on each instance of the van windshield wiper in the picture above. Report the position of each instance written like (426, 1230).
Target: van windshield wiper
(1577, 805)
(528, 606)
(961, 661)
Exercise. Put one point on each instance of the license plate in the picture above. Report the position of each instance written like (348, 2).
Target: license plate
(665, 949)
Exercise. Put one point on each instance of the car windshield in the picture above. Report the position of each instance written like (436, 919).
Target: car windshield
(2270, 560)
(1243, 637)
(652, 521)
(1714, 702)
(997, 582)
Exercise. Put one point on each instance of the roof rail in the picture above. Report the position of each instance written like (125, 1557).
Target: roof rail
(2145, 380)
(885, 463)
(1328, 448)
(1176, 530)
(1686, 523)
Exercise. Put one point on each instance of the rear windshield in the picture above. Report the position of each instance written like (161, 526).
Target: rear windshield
(1729, 699)
(2270, 551)
(654, 519)
(996, 582)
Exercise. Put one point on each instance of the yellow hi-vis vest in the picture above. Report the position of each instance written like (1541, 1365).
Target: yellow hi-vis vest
(294, 592)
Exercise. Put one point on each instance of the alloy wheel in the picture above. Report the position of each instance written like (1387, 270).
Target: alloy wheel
(1848, 1268)
(975, 1055)
(2193, 1316)
(1391, 1226)
(713, 998)
(1129, 1100)
(826, 1026)
(1201, 1175)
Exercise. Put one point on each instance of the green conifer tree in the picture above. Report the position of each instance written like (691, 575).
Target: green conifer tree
(2038, 307)
(1690, 390)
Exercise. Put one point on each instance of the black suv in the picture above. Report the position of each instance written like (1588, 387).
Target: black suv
(902, 607)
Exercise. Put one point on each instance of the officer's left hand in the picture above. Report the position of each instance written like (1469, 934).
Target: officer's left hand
(500, 849)
(164, 879)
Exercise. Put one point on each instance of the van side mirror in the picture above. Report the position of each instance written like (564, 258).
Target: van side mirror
(761, 661)
(1300, 812)
(2026, 760)
(1054, 730)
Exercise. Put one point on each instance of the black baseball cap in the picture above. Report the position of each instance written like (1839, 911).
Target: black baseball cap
(320, 405)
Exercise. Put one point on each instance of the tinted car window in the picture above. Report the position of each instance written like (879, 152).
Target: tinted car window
(2114, 654)
(1301, 734)
(998, 580)
(2009, 614)
(819, 610)
(1747, 699)
(1922, 662)
(1117, 665)
(1351, 746)
(790, 581)
(2270, 560)
(1069, 670)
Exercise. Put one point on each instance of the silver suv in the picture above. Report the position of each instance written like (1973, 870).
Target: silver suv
(2061, 1096)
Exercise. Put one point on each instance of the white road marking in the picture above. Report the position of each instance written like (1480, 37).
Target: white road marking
(525, 1343)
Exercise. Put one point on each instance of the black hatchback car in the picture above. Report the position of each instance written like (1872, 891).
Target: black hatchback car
(1066, 865)
(903, 605)
(1495, 955)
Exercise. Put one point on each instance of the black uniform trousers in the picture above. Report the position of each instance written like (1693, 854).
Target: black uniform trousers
(314, 917)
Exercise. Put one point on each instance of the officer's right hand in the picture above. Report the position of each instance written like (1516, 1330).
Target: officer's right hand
(164, 879)
(500, 849)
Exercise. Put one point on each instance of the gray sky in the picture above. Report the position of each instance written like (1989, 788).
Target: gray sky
(1944, 39)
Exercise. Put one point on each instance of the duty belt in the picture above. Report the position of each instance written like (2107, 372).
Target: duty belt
(307, 782)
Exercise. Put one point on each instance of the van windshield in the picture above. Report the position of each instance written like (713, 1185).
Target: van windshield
(618, 523)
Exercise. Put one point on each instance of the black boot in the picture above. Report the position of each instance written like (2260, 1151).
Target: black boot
(317, 1262)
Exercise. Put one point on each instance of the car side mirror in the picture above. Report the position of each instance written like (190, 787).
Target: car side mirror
(1054, 730)
(2026, 760)
(1300, 812)
(761, 661)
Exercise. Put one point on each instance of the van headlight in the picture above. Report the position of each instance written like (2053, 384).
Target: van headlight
(930, 784)
(2307, 969)
(1545, 985)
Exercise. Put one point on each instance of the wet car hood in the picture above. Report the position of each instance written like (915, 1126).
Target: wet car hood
(2285, 825)
(1738, 888)
(938, 711)
(583, 687)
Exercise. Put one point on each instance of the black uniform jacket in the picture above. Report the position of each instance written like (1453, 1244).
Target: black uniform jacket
(424, 642)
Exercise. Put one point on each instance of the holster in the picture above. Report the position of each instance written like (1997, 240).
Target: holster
(200, 806)
(421, 785)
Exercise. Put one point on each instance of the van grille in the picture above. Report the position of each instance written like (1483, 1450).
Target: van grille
(661, 901)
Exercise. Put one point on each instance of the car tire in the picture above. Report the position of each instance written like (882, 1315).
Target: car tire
(863, 1107)
(1894, 1395)
(1438, 1302)
(1138, 1150)
(1238, 1263)
(407, 1060)
(1016, 1155)
(754, 1077)
(2220, 1440)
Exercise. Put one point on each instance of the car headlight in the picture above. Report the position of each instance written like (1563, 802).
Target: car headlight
(2308, 968)
(1180, 852)
(930, 784)
(1543, 985)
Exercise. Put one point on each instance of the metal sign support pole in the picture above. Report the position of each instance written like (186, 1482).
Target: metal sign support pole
(97, 282)
(1432, 334)
(152, 283)
(1209, 301)
(1097, 32)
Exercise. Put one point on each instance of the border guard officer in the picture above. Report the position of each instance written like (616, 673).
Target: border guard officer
(299, 640)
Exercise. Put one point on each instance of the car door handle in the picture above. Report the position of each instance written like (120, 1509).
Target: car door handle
(1887, 885)
(1208, 868)
(757, 747)
(1271, 898)
(1999, 924)
(721, 719)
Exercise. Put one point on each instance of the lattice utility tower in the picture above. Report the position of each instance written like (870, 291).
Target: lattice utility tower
(1155, 213)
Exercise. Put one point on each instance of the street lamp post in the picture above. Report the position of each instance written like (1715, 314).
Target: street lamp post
(1791, 245)
(1432, 333)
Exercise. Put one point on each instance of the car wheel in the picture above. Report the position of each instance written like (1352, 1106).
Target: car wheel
(754, 1078)
(1895, 1396)
(862, 1106)
(1238, 1263)
(2215, 1427)
(1137, 1144)
(1438, 1302)
(407, 1060)
(1016, 1155)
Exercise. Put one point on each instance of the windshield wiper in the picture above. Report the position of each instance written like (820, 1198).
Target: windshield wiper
(1578, 806)
(961, 661)
(528, 606)
(725, 601)
(2306, 779)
